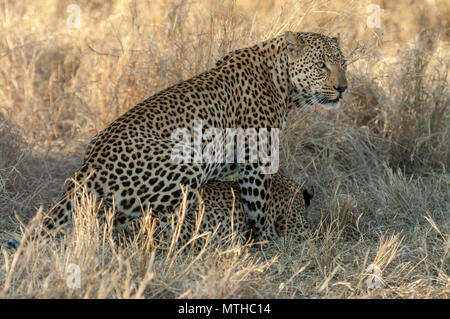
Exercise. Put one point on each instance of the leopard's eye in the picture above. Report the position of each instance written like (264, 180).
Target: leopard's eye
(344, 62)
(320, 65)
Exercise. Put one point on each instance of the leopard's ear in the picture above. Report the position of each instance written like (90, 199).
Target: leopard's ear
(295, 45)
(337, 39)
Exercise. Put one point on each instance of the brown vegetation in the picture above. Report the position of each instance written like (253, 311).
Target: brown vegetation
(379, 164)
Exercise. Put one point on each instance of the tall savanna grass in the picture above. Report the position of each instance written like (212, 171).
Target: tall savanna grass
(379, 164)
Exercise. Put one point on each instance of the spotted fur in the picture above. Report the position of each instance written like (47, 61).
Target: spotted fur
(129, 163)
(224, 212)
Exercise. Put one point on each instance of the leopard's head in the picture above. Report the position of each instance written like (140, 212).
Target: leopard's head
(316, 68)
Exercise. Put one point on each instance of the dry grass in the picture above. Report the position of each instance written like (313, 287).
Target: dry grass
(379, 165)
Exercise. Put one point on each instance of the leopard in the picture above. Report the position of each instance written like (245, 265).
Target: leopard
(220, 212)
(131, 163)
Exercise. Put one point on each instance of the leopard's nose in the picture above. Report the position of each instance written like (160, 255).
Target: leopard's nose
(340, 88)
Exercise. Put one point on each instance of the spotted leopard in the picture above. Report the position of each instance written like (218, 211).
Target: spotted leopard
(224, 216)
(130, 163)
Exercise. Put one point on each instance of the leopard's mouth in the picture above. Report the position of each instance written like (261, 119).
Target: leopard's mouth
(322, 99)
(325, 102)
(306, 99)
